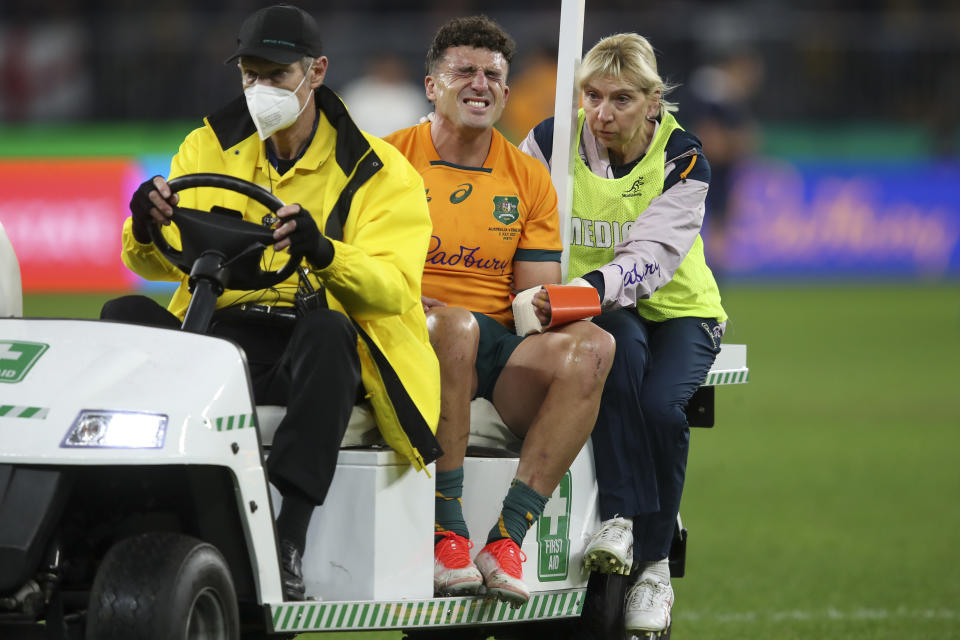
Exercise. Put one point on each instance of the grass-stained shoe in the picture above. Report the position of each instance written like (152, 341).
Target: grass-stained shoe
(500, 563)
(454, 573)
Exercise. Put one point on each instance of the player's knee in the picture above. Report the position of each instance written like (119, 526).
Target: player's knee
(589, 352)
(454, 332)
(604, 344)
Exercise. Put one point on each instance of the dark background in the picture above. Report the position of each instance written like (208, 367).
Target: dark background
(894, 62)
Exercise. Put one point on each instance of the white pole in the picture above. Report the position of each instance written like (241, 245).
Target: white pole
(11, 290)
(569, 51)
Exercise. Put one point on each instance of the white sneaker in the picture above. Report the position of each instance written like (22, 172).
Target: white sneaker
(647, 609)
(611, 549)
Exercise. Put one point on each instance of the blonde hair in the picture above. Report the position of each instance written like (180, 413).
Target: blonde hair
(628, 57)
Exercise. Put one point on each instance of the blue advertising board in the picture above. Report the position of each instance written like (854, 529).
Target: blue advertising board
(797, 219)
(864, 219)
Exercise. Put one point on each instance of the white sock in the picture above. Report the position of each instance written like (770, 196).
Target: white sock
(627, 521)
(659, 571)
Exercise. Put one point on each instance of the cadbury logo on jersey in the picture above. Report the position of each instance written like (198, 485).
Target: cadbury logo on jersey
(468, 257)
(506, 209)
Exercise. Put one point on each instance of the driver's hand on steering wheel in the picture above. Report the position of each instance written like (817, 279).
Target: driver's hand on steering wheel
(298, 231)
(151, 203)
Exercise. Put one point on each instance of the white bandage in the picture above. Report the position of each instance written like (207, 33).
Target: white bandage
(525, 319)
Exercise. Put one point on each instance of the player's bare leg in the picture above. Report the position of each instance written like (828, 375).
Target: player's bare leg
(454, 335)
(549, 394)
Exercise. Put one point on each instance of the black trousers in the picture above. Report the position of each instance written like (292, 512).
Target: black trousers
(310, 365)
(641, 439)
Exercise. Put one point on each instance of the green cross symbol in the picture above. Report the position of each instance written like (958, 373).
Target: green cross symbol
(553, 533)
(17, 358)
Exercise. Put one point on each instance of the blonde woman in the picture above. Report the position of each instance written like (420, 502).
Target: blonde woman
(640, 182)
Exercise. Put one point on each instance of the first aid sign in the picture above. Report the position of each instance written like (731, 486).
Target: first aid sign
(17, 358)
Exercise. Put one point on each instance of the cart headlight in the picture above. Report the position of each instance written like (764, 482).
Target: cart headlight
(117, 430)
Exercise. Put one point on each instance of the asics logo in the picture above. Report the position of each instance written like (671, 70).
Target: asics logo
(462, 193)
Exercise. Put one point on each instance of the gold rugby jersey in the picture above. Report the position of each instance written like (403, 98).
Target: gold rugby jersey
(484, 218)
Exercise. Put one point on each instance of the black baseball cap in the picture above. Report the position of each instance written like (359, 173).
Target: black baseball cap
(282, 33)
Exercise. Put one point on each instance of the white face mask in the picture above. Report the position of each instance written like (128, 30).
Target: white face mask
(272, 108)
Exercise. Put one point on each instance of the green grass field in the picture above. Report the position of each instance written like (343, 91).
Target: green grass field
(826, 502)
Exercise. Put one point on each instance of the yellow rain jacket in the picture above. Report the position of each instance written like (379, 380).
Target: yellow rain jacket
(370, 202)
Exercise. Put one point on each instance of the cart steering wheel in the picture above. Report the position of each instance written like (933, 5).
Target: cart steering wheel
(241, 243)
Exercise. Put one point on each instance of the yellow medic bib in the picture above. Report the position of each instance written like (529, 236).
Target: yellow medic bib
(604, 210)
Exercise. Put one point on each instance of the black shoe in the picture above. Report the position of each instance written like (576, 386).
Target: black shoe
(291, 573)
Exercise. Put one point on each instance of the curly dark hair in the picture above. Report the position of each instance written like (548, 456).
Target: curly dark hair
(475, 31)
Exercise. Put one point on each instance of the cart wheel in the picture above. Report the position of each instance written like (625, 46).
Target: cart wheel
(253, 624)
(602, 616)
(163, 586)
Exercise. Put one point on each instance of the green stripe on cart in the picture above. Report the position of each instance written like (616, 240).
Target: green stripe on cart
(239, 421)
(422, 614)
(16, 411)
